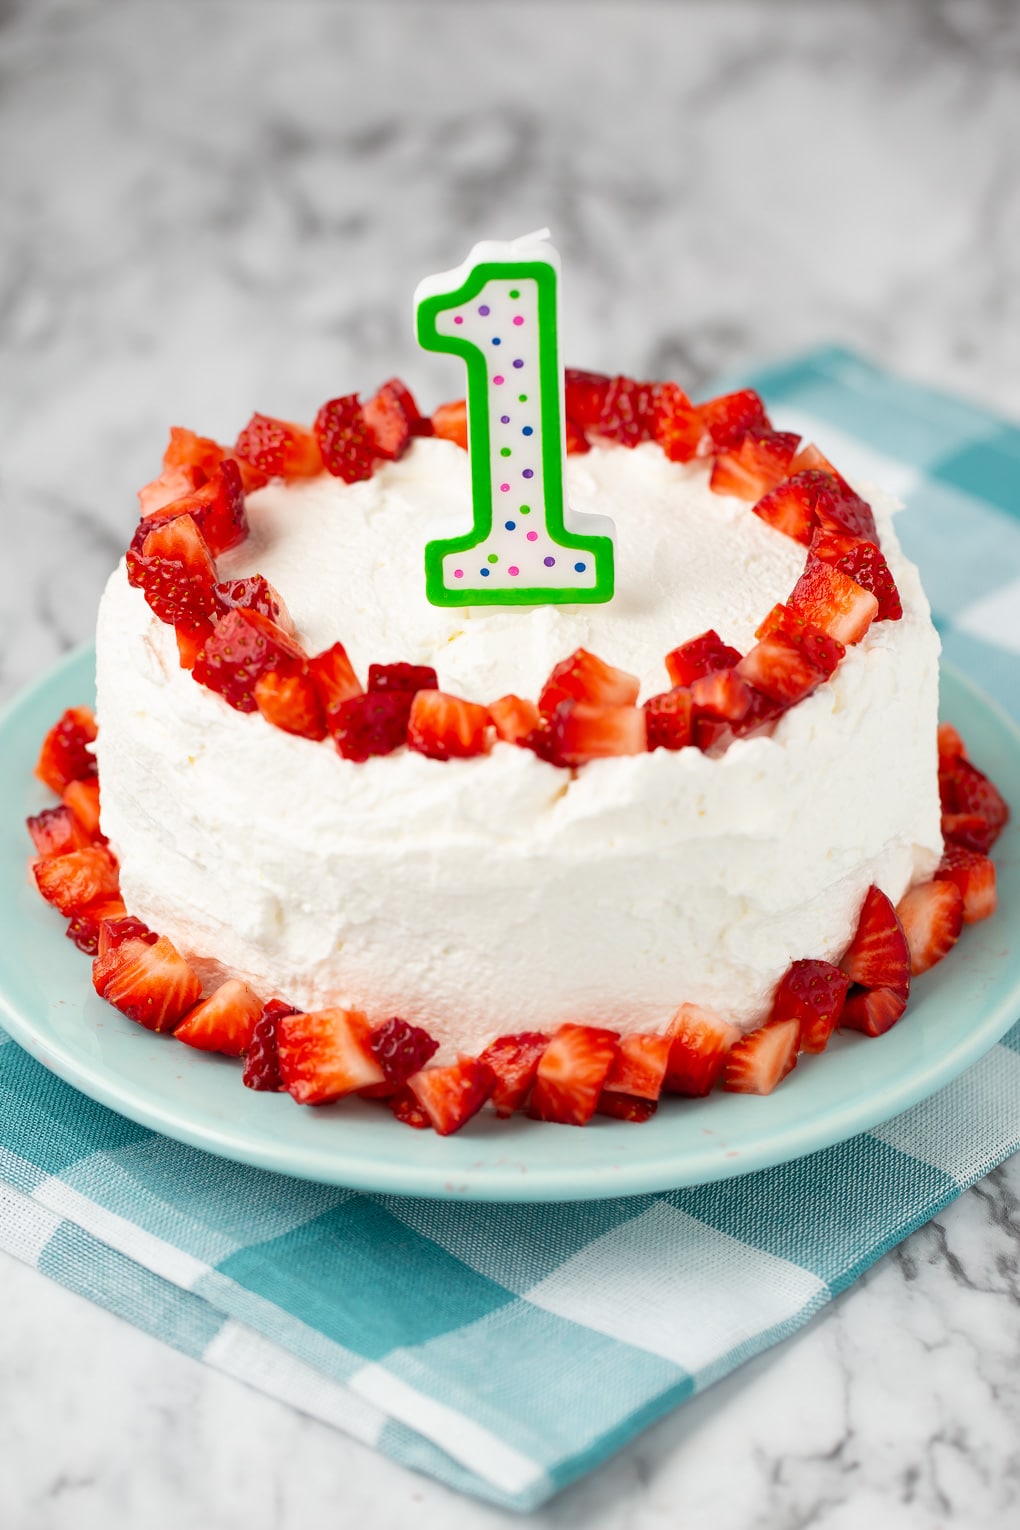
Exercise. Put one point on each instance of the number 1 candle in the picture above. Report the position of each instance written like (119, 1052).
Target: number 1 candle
(499, 311)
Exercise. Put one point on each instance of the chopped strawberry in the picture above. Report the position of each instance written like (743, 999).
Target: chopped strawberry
(243, 647)
(585, 677)
(390, 416)
(332, 674)
(450, 1096)
(115, 929)
(404, 1105)
(714, 733)
(346, 439)
(262, 1063)
(585, 394)
(831, 600)
(700, 656)
(197, 454)
(291, 703)
(627, 415)
(172, 484)
(790, 506)
(932, 918)
(728, 418)
(722, 694)
(974, 875)
(812, 993)
(810, 460)
(514, 718)
(758, 718)
(970, 830)
(668, 719)
(965, 789)
(762, 1059)
(254, 594)
(325, 1054)
(85, 927)
(400, 1050)
(450, 422)
(872, 1011)
(576, 441)
(57, 831)
(779, 667)
(191, 639)
(514, 1062)
(877, 961)
(571, 1073)
(676, 424)
(755, 466)
(639, 1067)
(581, 731)
(82, 797)
(65, 755)
(150, 984)
(173, 568)
(70, 882)
(225, 1022)
(279, 448)
(865, 563)
(823, 651)
(446, 727)
(375, 723)
(402, 677)
(843, 510)
(950, 744)
(700, 1041)
(625, 1107)
(216, 507)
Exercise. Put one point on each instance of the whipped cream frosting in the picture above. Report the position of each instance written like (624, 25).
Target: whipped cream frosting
(500, 893)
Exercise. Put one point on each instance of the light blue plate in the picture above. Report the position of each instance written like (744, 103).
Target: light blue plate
(956, 1013)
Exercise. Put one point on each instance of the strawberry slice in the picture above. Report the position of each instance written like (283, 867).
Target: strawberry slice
(325, 1054)
(375, 723)
(65, 755)
(262, 1064)
(625, 1107)
(225, 1022)
(700, 656)
(346, 440)
(779, 667)
(514, 718)
(639, 1067)
(402, 677)
(823, 651)
(668, 719)
(576, 441)
(85, 927)
(279, 448)
(676, 424)
(700, 1041)
(291, 703)
(877, 961)
(57, 831)
(216, 507)
(332, 674)
(446, 728)
(115, 929)
(790, 507)
(243, 647)
(571, 1074)
(82, 798)
(865, 563)
(970, 830)
(627, 415)
(72, 881)
(872, 1011)
(400, 1050)
(199, 455)
(150, 984)
(729, 418)
(932, 918)
(585, 677)
(254, 594)
(449, 421)
(514, 1062)
(758, 719)
(965, 789)
(172, 484)
(390, 415)
(762, 1059)
(812, 993)
(832, 601)
(974, 875)
(843, 510)
(404, 1105)
(581, 731)
(950, 745)
(585, 394)
(173, 568)
(451, 1096)
(756, 465)
(722, 694)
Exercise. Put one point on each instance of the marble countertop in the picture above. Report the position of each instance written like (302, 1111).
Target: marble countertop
(211, 208)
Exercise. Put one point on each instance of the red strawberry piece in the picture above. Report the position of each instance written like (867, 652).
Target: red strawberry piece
(57, 831)
(668, 719)
(729, 418)
(572, 1072)
(965, 789)
(371, 724)
(346, 439)
(872, 1011)
(779, 668)
(262, 1063)
(625, 1107)
(217, 508)
(199, 455)
(450, 422)
(400, 1050)
(576, 441)
(932, 918)
(968, 829)
(722, 694)
(72, 881)
(700, 1041)
(65, 755)
(714, 733)
(581, 732)
(865, 563)
(150, 984)
(832, 601)
(85, 928)
(790, 506)
(225, 1022)
(950, 744)
(877, 961)
(762, 1059)
(82, 797)
(627, 415)
(172, 484)
(451, 1096)
(326, 1054)
(332, 674)
(823, 651)
(751, 469)
(639, 1066)
(254, 594)
(115, 929)
(758, 718)
(391, 415)
(586, 677)
(514, 1062)
(812, 993)
(700, 656)
(843, 510)
(191, 639)
(404, 1105)
(585, 394)
(676, 424)
(243, 647)
(514, 718)
(974, 875)
(175, 572)
(445, 727)
(402, 677)
(291, 703)
(279, 448)
(810, 460)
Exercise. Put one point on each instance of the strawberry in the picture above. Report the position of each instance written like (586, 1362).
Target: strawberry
(755, 466)
(262, 1064)
(254, 594)
(700, 1041)
(70, 882)
(290, 702)
(627, 415)
(790, 506)
(390, 415)
(346, 439)
(676, 423)
(967, 829)
(244, 646)
(823, 651)
(762, 1059)
(65, 755)
(57, 831)
(714, 733)
(404, 1105)
(172, 484)
(639, 1066)
(173, 568)
(700, 656)
(402, 677)
(877, 961)
(810, 460)
(840, 509)
(325, 1054)
(445, 727)
(729, 418)
(758, 718)
(668, 719)
(216, 507)
(778, 667)
(832, 601)
(722, 694)
(872, 1011)
(451, 1096)
(374, 723)
(400, 1050)
(965, 789)
(332, 674)
(571, 1073)
(151, 984)
(279, 448)
(812, 993)
(85, 927)
(514, 1062)
(585, 677)
(932, 918)
(191, 639)
(950, 744)
(225, 1022)
(585, 394)
(115, 929)
(574, 438)
(82, 798)
(581, 731)
(196, 454)
(450, 422)
(625, 1107)
(865, 563)
(974, 875)
(513, 718)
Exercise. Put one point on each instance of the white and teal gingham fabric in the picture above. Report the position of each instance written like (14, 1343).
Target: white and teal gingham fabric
(509, 1349)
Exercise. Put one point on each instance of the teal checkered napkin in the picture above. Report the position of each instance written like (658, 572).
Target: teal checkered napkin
(509, 1349)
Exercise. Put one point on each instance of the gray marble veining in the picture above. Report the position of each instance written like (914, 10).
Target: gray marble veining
(210, 208)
